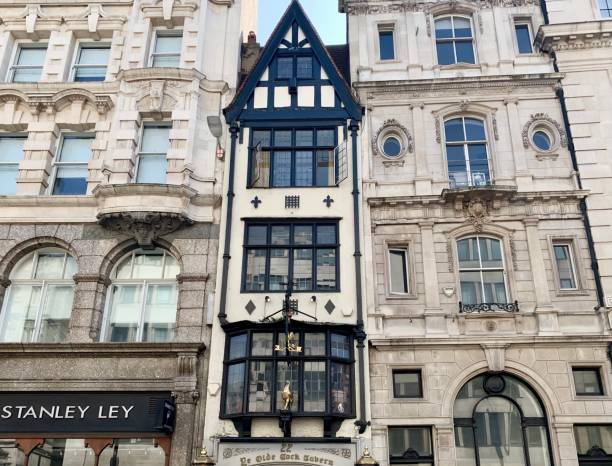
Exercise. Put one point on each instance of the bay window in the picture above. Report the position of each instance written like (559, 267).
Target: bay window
(70, 165)
(295, 158)
(152, 161)
(166, 49)
(143, 298)
(258, 367)
(302, 253)
(38, 303)
(11, 153)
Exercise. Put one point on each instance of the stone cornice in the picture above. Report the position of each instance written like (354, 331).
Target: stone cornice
(550, 80)
(400, 344)
(173, 74)
(363, 7)
(575, 36)
(101, 350)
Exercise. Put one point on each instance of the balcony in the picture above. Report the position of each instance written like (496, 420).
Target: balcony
(464, 179)
(478, 308)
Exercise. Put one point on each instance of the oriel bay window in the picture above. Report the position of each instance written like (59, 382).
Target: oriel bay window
(258, 368)
(303, 253)
(38, 304)
(296, 157)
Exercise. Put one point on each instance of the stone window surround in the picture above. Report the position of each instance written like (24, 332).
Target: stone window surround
(529, 20)
(406, 242)
(171, 31)
(493, 231)
(604, 375)
(467, 109)
(98, 282)
(578, 260)
(423, 368)
(386, 26)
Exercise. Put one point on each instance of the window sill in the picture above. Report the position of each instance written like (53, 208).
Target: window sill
(568, 293)
(405, 297)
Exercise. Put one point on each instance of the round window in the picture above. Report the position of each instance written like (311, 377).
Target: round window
(392, 147)
(542, 140)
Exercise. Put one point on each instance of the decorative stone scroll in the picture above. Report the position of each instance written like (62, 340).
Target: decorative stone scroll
(145, 227)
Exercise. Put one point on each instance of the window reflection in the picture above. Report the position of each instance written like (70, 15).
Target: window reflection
(133, 452)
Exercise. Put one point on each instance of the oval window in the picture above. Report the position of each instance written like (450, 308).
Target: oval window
(392, 147)
(542, 140)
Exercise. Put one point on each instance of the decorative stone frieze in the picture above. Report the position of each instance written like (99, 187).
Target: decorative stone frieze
(364, 7)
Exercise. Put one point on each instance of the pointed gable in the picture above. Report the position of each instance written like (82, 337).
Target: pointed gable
(294, 78)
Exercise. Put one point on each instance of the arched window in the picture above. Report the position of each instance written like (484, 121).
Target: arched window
(143, 296)
(467, 154)
(499, 421)
(454, 40)
(482, 273)
(38, 303)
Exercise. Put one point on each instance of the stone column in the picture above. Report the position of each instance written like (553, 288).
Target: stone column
(563, 441)
(435, 321)
(547, 317)
(86, 318)
(422, 181)
(524, 180)
(182, 438)
(191, 306)
(38, 152)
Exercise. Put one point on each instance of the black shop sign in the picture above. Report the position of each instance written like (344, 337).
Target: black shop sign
(78, 412)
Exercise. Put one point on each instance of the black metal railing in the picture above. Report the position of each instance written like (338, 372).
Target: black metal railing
(488, 307)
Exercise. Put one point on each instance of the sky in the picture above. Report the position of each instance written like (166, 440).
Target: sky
(330, 24)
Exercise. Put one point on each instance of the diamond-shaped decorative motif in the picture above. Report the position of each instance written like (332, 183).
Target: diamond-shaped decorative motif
(329, 306)
(250, 307)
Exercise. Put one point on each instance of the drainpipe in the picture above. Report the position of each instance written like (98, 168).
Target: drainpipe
(572, 150)
(228, 223)
(360, 333)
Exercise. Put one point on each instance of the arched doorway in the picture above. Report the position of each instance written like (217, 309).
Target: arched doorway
(500, 421)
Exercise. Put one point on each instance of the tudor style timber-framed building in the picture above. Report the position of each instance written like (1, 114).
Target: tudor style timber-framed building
(110, 192)
(488, 337)
(289, 380)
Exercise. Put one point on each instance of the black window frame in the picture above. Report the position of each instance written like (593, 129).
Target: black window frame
(293, 148)
(278, 329)
(294, 56)
(411, 456)
(291, 246)
(596, 455)
(597, 371)
(419, 373)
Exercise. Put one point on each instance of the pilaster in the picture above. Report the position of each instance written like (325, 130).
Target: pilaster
(38, 152)
(435, 321)
(423, 177)
(86, 318)
(524, 179)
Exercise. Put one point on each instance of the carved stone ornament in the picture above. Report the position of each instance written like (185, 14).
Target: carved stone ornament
(476, 211)
(496, 356)
(547, 122)
(362, 7)
(145, 227)
(392, 128)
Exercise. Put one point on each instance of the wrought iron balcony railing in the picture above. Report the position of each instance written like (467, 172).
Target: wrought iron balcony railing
(488, 307)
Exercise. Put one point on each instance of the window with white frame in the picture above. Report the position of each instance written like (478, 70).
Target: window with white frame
(605, 8)
(167, 49)
(566, 266)
(152, 162)
(467, 153)
(482, 272)
(11, 153)
(91, 62)
(455, 40)
(399, 280)
(38, 303)
(28, 63)
(70, 166)
(143, 298)
(524, 38)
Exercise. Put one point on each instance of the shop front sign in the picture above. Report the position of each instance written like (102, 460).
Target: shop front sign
(64, 412)
(286, 453)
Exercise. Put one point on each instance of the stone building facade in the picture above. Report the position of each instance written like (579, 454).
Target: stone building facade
(488, 339)
(111, 166)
